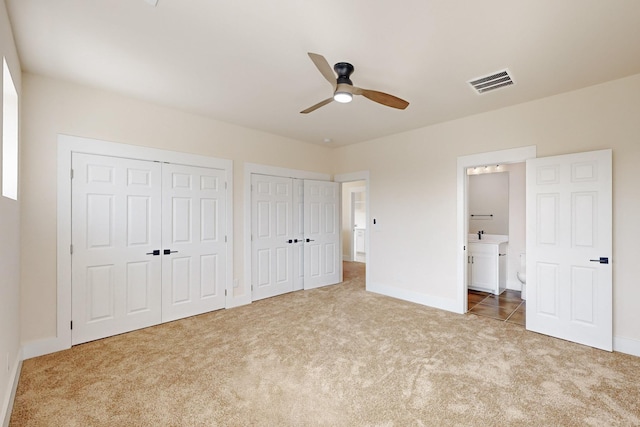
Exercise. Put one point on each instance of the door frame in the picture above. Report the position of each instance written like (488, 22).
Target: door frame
(245, 294)
(513, 155)
(361, 176)
(68, 144)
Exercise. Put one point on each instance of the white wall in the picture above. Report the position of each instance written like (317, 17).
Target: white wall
(517, 222)
(9, 248)
(412, 180)
(413, 187)
(489, 195)
(52, 106)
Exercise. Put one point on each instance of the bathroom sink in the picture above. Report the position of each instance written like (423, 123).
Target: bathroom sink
(488, 238)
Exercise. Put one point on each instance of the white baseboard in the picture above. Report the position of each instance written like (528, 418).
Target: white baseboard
(7, 405)
(238, 301)
(45, 346)
(626, 345)
(411, 296)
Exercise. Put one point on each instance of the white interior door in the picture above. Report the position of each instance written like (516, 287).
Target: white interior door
(193, 242)
(569, 278)
(115, 231)
(272, 236)
(322, 251)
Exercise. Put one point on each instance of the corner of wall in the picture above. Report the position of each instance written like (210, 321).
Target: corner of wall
(7, 405)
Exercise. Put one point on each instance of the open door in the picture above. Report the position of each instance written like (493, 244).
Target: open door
(569, 227)
(322, 250)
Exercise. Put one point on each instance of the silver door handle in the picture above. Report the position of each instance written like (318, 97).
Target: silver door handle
(602, 260)
(309, 240)
(154, 253)
(169, 251)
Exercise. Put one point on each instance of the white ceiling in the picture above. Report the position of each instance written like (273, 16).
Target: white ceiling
(245, 61)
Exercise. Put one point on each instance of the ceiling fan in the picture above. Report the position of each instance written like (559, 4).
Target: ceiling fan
(343, 88)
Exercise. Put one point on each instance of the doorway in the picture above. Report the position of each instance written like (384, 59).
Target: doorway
(360, 182)
(497, 211)
(504, 157)
(354, 221)
(569, 242)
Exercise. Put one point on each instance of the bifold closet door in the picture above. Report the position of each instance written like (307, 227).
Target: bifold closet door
(115, 231)
(193, 241)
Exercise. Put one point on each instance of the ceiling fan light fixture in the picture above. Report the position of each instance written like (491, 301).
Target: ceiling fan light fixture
(342, 97)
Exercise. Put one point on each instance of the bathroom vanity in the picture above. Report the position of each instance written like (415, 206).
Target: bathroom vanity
(487, 263)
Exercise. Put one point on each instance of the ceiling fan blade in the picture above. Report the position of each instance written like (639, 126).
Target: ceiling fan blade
(382, 98)
(318, 105)
(323, 66)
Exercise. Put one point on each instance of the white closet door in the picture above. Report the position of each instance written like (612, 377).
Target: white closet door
(298, 234)
(569, 277)
(322, 251)
(193, 241)
(115, 231)
(272, 236)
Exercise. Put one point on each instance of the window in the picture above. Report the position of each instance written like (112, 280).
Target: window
(9, 134)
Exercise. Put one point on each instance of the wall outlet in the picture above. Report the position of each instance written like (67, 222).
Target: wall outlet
(236, 283)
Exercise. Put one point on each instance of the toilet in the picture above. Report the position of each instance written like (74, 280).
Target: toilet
(522, 275)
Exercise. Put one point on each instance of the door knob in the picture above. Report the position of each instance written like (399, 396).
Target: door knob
(154, 253)
(169, 251)
(310, 240)
(602, 260)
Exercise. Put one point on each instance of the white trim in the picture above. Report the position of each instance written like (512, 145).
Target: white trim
(73, 144)
(415, 297)
(45, 346)
(12, 386)
(514, 155)
(361, 176)
(626, 345)
(253, 168)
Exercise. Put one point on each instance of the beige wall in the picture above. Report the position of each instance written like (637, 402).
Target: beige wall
(412, 178)
(9, 245)
(413, 185)
(517, 222)
(52, 107)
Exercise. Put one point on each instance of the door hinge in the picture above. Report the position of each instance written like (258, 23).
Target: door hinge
(71, 174)
(225, 239)
(71, 249)
(225, 292)
(71, 325)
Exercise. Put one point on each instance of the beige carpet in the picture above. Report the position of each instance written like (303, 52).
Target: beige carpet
(335, 356)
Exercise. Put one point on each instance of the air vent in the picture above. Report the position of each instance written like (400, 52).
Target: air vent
(494, 81)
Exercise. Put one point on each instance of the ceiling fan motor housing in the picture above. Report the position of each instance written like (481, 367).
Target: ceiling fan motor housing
(343, 70)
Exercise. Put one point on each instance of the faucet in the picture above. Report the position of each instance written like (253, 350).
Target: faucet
(480, 233)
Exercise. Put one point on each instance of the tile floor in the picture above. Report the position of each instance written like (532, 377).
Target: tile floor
(508, 306)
